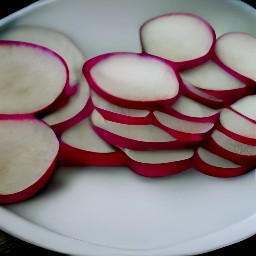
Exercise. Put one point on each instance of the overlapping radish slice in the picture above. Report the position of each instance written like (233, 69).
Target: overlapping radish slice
(159, 163)
(80, 146)
(29, 150)
(190, 110)
(182, 38)
(132, 80)
(236, 53)
(78, 107)
(136, 137)
(214, 165)
(32, 78)
(214, 80)
(122, 115)
(183, 130)
(54, 40)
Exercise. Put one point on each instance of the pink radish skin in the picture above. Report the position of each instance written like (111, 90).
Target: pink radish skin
(53, 40)
(135, 137)
(216, 166)
(117, 76)
(81, 146)
(59, 95)
(167, 36)
(159, 163)
(235, 53)
(36, 146)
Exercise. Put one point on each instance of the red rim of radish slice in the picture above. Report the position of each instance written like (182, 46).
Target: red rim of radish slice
(184, 64)
(219, 60)
(173, 89)
(208, 168)
(63, 95)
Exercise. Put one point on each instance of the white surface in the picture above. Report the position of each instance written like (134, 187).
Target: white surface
(111, 211)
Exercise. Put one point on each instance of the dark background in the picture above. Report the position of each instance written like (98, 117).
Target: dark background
(12, 246)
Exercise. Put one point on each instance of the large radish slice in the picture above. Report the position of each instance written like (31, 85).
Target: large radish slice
(233, 150)
(159, 163)
(183, 130)
(214, 165)
(54, 40)
(136, 137)
(29, 150)
(182, 38)
(80, 145)
(236, 53)
(118, 114)
(214, 80)
(32, 78)
(78, 107)
(132, 80)
(190, 110)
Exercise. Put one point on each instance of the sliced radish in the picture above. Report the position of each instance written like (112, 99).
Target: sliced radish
(159, 163)
(236, 53)
(136, 137)
(235, 151)
(132, 80)
(80, 145)
(114, 113)
(32, 78)
(54, 40)
(213, 165)
(190, 110)
(28, 154)
(78, 107)
(183, 130)
(214, 80)
(182, 38)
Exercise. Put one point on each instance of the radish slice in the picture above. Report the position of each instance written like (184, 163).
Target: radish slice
(136, 137)
(235, 151)
(159, 163)
(181, 129)
(80, 145)
(236, 53)
(76, 109)
(32, 78)
(213, 165)
(190, 110)
(28, 154)
(54, 40)
(118, 114)
(183, 38)
(212, 79)
(132, 80)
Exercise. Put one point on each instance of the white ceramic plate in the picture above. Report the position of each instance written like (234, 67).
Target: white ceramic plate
(112, 211)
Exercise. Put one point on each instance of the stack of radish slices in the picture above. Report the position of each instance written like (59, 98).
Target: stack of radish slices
(184, 101)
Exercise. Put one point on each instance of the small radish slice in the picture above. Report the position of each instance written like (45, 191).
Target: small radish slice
(80, 146)
(32, 78)
(78, 107)
(159, 163)
(136, 137)
(132, 80)
(29, 150)
(55, 41)
(236, 53)
(200, 96)
(213, 165)
(182, 38)
(183, 130)
(190, 110)
(118, 114)
(214, 80)
(235, 151)
(237, 127)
